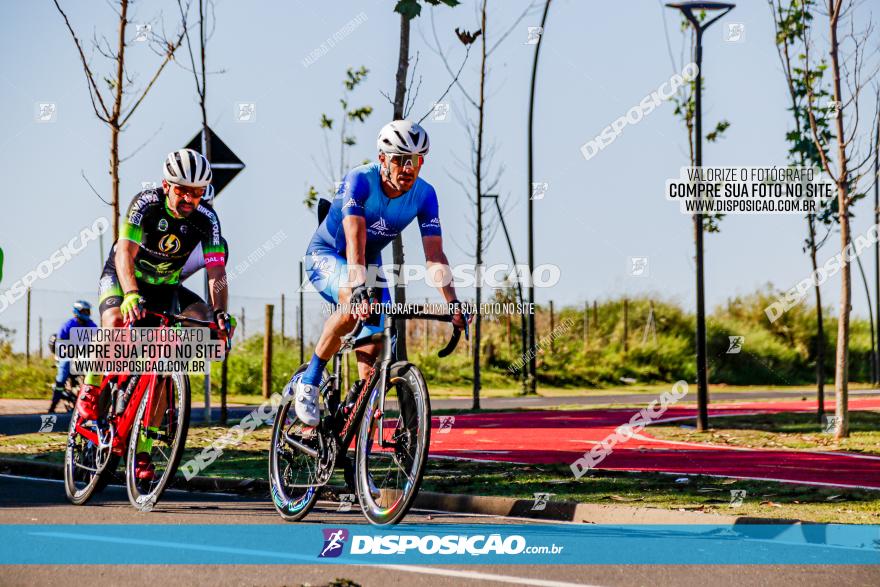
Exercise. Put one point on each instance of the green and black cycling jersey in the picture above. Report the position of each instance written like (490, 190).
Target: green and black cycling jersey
(166, 241)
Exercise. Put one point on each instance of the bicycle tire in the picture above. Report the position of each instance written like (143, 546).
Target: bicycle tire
(146, 500)
(413, 440)
(291, 508)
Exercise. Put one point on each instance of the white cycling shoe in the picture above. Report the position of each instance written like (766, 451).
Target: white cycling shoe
(306, 403)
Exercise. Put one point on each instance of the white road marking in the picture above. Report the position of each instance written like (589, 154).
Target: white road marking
(476, 575)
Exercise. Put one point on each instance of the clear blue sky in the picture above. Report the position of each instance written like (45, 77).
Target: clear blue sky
(598, 60)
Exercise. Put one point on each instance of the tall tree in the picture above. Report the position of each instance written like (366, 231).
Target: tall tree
(788, 17)
(115, 105)
(408, 10)
(848, 72)
(484, 179)
(332, 173)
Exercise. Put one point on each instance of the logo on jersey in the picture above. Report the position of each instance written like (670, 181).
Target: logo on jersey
(158, 268)
(163, 225)
(135, 218)
(334, 541)
(350, 204)
(379, 227)
(169, 244)
(433, 223)
(183, 229)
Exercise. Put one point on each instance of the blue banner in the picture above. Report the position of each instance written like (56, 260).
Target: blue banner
(518, 544)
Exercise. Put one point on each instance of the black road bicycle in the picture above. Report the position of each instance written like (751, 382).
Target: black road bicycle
(389, 414)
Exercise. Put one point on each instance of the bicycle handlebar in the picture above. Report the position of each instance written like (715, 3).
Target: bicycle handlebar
(416, 313)
(167, 318)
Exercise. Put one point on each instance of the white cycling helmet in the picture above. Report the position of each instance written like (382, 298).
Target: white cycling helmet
(403, 137)
(188, 168)
(209, 194)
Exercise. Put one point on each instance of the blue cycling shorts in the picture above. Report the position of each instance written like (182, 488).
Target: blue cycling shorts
(327, 269)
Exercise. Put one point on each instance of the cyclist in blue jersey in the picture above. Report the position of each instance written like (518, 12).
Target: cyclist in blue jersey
(372, 206)
(82, 318)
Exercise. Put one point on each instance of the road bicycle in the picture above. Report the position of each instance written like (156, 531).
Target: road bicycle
(71, 390)
(388, 416)
(151, 407)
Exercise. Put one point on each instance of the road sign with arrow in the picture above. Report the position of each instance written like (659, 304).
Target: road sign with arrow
(225, 164)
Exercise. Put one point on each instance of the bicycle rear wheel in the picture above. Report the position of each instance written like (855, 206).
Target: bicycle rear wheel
(163, 442)
(292, 473)
(388, 479)
(88, 467)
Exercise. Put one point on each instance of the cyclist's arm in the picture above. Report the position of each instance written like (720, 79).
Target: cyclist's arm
(437, 266)
(217, 286)
(354, 193)
(131, 235)
(355, 228)
(126, 251)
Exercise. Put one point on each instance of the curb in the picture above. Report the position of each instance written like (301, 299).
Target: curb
(554, 511)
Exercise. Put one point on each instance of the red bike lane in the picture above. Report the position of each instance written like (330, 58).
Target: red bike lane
(561, 437)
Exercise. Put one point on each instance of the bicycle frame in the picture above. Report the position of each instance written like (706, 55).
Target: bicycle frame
(378, 377)
(121, 425)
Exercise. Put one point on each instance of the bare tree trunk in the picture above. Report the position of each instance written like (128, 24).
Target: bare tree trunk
(820, 329)
(841, 367)
(114, 120)
(478, 320)
(397, 245)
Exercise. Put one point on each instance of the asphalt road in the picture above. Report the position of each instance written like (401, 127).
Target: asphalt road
(11, 424)
(33, 501)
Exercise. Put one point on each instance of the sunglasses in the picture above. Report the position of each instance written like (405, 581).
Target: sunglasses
(415, 161)
(188, 192)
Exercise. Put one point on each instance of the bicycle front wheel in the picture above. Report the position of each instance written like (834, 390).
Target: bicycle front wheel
(293, 474)
(158, 436)
(388, 477)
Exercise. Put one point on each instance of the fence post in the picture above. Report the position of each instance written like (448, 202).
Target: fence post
(267, 352)
(243, 323)
(27, 330)
(586, 324)
(552, 325)
(283, 315)
(40, 337)
(596, 317)
(625, 325)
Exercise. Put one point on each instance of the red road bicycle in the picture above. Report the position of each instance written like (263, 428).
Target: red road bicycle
(146, 412)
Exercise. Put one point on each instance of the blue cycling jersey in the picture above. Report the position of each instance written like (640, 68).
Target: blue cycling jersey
(361, 195)
(64, 333)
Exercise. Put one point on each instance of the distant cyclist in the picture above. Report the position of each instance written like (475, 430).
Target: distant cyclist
(143, 270)
(372, 206)
(82, 312)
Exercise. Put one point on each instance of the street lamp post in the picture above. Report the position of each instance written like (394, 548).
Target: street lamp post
(687, 9)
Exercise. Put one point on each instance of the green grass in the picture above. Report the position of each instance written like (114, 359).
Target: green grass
(706, 494)
(780, 431)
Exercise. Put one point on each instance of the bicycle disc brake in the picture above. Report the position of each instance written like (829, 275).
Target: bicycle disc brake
(326, 458)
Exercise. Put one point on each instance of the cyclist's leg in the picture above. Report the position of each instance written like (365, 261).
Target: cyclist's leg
(110, 298)
(192, 305)
(327, 270)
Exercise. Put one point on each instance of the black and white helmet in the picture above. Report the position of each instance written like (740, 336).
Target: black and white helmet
(188, 168)
(403, 137)
(209, 194)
